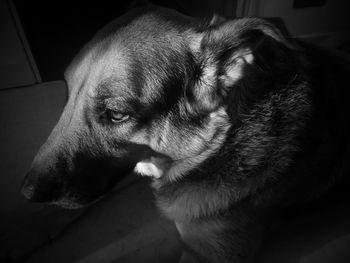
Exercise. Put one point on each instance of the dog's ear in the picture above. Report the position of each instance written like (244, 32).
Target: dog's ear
(249, 51)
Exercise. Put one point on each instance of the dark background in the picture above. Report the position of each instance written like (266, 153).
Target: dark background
(56, 30)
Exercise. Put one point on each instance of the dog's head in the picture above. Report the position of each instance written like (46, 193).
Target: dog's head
(154, 92)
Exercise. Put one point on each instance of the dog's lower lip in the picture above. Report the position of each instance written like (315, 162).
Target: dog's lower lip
(72, 202)
(68, 203)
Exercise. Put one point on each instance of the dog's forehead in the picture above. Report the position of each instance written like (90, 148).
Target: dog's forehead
(96, 69)
(130, 58)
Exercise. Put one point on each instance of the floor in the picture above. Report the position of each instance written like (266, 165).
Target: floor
(125, 226)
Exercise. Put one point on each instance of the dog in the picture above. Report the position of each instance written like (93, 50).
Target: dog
(230, 119)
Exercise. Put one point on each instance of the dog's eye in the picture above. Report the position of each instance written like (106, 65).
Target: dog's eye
(116, 116)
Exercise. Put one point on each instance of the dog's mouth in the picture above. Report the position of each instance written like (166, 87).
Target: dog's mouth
(69, 199)
(71, 191)
(82, 180)
(74, 201)
(154, 167)
(70, 202)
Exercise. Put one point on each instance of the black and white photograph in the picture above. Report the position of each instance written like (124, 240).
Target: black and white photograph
(185, 131)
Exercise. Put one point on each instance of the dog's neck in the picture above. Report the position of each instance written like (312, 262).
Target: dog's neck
(248, 160)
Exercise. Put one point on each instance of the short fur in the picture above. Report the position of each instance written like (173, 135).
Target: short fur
(231, 119)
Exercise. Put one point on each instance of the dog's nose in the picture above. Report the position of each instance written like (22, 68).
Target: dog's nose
(28, 190)
(41, 188)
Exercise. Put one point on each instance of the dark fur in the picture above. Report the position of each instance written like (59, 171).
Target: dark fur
(283, 138)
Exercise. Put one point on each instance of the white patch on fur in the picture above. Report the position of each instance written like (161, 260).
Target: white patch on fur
(249, 58)
(148, 169)
(154, 167)
(195, 150)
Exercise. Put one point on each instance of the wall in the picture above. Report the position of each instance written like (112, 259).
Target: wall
(17, 68)
(328, 24)
(332, 17)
